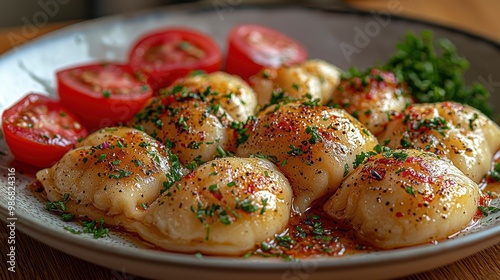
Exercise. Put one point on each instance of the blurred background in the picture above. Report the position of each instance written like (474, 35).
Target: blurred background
(12, 12)
(16, 16)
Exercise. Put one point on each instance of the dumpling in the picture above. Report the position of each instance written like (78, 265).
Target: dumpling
(315, 79)
(404, 197)
(314, 146)
(226, 206)
(191, 127)
(373, 99)
(115, 173)
(459, 132)
(232, 93)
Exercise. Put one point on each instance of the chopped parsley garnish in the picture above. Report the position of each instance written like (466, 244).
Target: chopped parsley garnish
(137, 163)
(315, 136)
(400, 156)
(295, 151)
(246, 205)
(495, 173)
(360, 158)
(410, 190)
(285, 240)
(471, 121)
(58, 205)
(97, 231)
(101, 157)
(169, 143)
(346, 170)
(175, 173)
(67, 217)
(182, 123)
(144, 144)
(213, 188)
(119, 144)
(405, 143)
(438, 124)
(385, 151)
(487, 210)
(194, 145)
(271, 158)
(106, 93)
(195, 163)
(221, 152)
(264, 204)
(241, 129)
(120, 173)
(72, 230)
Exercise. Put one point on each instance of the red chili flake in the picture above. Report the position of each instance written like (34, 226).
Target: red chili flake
(285, 125)
(372, 93)
(190, 175)
(421, 162)
(388, 77)
(483, 201)
(387, 161)
(326, 135)
(399, 214)
(397, 115)
(217, 194)
(429, 198)
(202, 135)
(419, 176)
(446, 184)
(169, 99)
(251, 124)
(250, 188)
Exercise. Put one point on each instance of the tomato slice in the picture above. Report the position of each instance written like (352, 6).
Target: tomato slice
(252, 47)
(103, 94)
(39, 130)
(169, 54)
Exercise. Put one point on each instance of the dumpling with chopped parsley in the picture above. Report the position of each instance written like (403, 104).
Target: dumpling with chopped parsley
(231, 92)
(373, 98)
(115, 174)
(455, 131)
(225, 206)
(186, 122)
(315, 79)
(314, 146)
(404, 197)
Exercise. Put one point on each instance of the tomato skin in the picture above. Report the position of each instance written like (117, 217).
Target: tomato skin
(103, 94)
(246, 58)
(26, 142)
(162, 72)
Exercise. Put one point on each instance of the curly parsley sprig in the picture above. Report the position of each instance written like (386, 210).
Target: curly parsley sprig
(435, 74)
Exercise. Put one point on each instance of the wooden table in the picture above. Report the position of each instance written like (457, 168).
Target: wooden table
(39, 261)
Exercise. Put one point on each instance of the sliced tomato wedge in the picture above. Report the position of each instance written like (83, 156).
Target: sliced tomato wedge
(103, 94)
(252, 47)
(39, 130)
(169, 54)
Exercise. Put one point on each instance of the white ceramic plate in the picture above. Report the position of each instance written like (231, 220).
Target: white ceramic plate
(327, 35)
